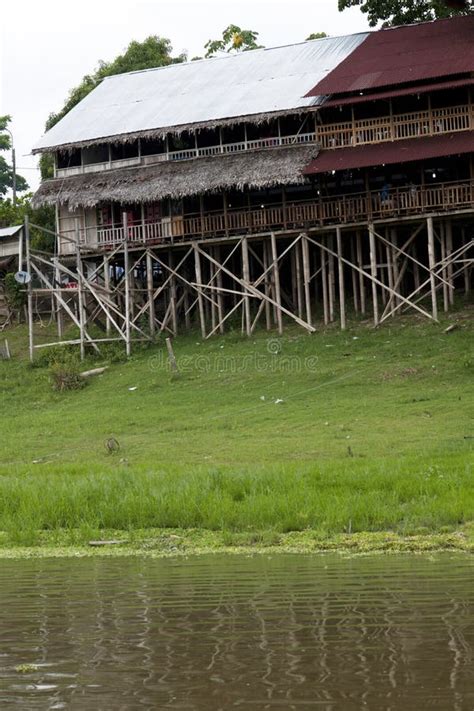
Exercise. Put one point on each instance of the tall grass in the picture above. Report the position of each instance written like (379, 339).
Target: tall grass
(330, 499)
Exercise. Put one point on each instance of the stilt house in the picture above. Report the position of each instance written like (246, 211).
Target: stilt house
(278, 185)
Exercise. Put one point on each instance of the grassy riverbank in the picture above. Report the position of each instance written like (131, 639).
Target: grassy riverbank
(327, 437)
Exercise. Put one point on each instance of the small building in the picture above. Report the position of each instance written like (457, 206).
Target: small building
(10, 247)
(285, 183)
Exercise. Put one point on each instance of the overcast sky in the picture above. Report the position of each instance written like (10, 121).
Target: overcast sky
(47, 46)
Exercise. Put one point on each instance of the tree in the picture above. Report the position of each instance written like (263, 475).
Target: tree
(154, 51)
(6, 170)
(404, 12)
(234, 39)
(316, 35)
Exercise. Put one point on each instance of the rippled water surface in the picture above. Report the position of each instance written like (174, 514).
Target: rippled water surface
(284, 632)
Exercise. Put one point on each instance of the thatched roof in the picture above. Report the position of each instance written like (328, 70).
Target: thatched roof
(253, 169)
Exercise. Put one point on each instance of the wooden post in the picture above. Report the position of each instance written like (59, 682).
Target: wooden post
(432, 263)
(174, 311)
(107, 289)
(355, 290)
(246, 277)
(29, 289)
(220, 297)
(342, 298)
(126, 266)
(331, 279)
(373, 271)
(324, 281)
(467, 268)
(299, 281)
(171, 356)
(150, 294)
(307, 277)
(449, 250)
(361, 276)
(197, 266)
(267, 283)
(57, 286)
(444, 269)
(80, 292)
(276, 282)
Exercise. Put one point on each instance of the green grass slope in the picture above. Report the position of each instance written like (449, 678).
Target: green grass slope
(366, 430)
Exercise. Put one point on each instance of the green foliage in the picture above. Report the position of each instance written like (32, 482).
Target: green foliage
(404, 12)
(234, 39)
(15, 294)
(154, 51)
(64, 372)
(6, 170)
(317, 35)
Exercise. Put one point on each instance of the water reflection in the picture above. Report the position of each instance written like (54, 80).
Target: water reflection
(286, 632)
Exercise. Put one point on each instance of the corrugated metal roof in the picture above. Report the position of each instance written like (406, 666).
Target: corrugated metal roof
(404, 54)
(254, 82)
(397, 91)
(10, 231)
(412, 149)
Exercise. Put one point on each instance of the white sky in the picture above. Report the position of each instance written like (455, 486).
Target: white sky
(47, 46)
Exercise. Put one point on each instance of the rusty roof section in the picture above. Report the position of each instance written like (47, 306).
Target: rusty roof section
(413, 149)
(405, 54)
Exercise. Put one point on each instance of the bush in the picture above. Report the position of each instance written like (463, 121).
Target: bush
(65, 373)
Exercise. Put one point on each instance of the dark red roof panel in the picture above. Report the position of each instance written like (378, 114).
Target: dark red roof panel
(412, 149)
(392, 93)
(404, 54)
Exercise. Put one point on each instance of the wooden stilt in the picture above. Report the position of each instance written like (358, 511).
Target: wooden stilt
(299, 285)
(331, 279)
(355, 290)
(449, 251)
(324, 282)
(394, 261)
(126, 266)
(373, 271)
(107, 289)
(306, 277)
(340, 267)
(267, 285)
(444, 269)
(432, 263)
(220, 297)
(173, 300)
(360, 263)
(246, 277)
(150, 294)
(276, 282)
(80, 293)
(197, 266)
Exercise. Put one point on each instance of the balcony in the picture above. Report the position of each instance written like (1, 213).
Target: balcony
(346, 209)
(396, 127)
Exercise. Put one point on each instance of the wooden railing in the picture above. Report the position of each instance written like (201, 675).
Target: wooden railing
(323, 211)
(336, 135)
(396, 127)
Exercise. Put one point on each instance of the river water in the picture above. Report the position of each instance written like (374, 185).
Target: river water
(225, 632)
